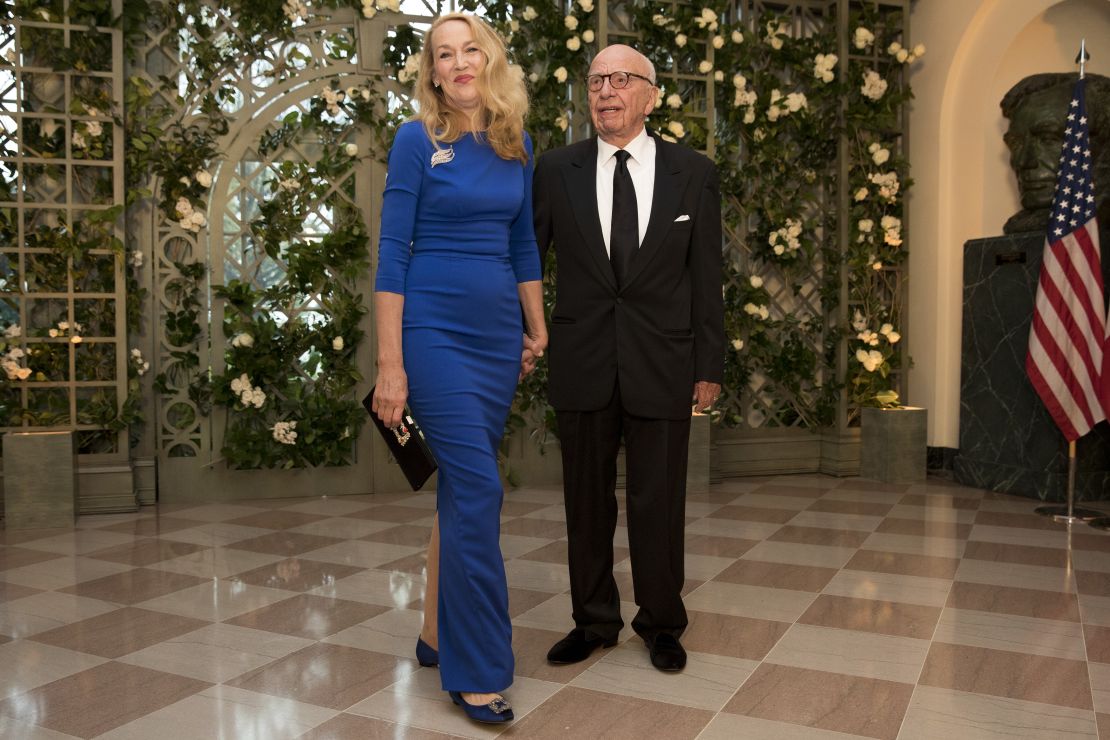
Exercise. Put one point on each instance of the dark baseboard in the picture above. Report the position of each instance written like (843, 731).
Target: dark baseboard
(939, 460)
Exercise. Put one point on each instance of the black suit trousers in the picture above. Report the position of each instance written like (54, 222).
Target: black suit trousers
(655, 496)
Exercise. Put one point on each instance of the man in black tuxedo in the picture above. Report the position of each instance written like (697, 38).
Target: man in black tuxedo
(637, 336)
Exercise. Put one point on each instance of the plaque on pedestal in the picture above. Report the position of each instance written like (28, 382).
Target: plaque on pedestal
(1008, 441)
(40, 488)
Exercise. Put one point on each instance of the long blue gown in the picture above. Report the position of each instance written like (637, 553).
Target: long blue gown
(456, 239)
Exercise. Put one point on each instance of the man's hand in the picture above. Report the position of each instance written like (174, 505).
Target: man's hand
(527, 363)
(534, 346)
(705, 395)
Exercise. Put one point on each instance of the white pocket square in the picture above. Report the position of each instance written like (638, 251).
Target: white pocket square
(683, 217)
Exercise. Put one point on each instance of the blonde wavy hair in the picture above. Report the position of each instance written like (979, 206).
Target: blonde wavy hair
(500, 85)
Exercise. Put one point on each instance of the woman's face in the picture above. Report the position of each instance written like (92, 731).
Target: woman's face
(458, 63)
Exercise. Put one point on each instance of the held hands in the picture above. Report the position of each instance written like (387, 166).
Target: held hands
(705, 395)
(534, 345)
(391, 393)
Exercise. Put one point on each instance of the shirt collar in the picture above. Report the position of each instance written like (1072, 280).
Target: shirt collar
(639, 148)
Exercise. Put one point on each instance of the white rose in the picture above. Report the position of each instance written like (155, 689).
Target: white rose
(719, 75)
(184, 181)
(705, 67)
(865, 225)
(861, 194)
(337, 344)
(574, 43)
(894, 48)
(718, 42)
(676, 128)
(529, 13)
(738, 344)
(560, 74)
(893, 337)
(756, 281)
(562, 122)
(737, 37)
(351, 150)
(588, 36)
(23, 373)
(76, 339)
(919, 50)
(369, 11)
(876, 266)
(203, 178)
(680, 39)
(570, 22)
(674, 100)
(586, 5)
(902, 55)
(534, 78)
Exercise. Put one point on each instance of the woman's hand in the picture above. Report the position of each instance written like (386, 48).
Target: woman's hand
(534, 345)
(391, 393)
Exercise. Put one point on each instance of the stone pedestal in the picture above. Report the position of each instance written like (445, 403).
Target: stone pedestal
(39, 480)
(697, 464)
(893, 444)
(1008, 441)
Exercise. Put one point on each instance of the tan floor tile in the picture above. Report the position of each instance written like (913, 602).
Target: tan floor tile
(1100, 686)
(754, 514)
(61, 573)
(228, 714)
(529, 527)
(16, 730)
(1098, 643)
(868, 615)
(28, 665)
(118, 632)
(78, 542)
(394, 513)
(415, 564)
(866, 484)
(733, 726)
(626, 588)
(943, 713)
(217, 512)
(731, 636)
(345, 527)
(392, 632)
(556, 553)
(829, 701)
(514, 545)
(1089, 560)
(772, 501)
(725, 547)
(774, 604)
(1038, 577)
(217, 562)
(932, 514)
(851, 507)
(903, 564)
(304, 615)
(1021, 634)
(911, 544)
(732, 528)
(1013, 553)
(522, 600)
(777, 575)
(537, 576)
(46, 611)
(296, 574)
(795, 554)
(798, 490)
(1034, 678)
(520, 508)
(281, 519)
(216, 652)
(215, 600)
(133, 586)
(819, 536)
(1091, 540)
(1025, 602)
(100, 699)
(1095, 610)
(145, 551)
(707, 682)
(348, 726)
(152, 526)
(1093, 583)
(1103, 722)
(21, 536)
(861, 584)
(285, 543)
(610, 716)
(924, 528)
(857, 522)
(9, 592)
(555, 513)
(697, 567)
(1014, 536)
(854, 653)
(331, 506)
(333, 676)
(939, 500)
(214, 534)
(392, 590)
(17, 557)
(410, 535)
(363, 554)
(1020, 521)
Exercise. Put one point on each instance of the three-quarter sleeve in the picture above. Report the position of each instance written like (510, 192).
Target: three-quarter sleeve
(402, 191)
(523, 252)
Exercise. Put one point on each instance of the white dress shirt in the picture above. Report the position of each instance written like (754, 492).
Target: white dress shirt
(641, 166)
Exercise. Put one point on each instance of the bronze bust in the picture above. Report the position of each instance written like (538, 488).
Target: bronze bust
(1037, 108)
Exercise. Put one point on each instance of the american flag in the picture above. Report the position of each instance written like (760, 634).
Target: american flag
(1066, 358)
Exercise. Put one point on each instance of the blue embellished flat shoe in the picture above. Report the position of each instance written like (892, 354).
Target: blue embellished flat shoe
(498, 710)
(426, 655)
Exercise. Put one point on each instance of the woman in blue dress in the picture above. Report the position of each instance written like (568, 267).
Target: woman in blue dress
(457, 269)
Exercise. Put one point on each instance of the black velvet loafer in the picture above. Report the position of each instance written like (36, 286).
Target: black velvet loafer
(667, 653)
(576, 647)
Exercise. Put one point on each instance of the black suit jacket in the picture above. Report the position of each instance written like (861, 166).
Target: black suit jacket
(664, 328)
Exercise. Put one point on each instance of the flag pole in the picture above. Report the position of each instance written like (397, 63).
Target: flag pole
(1070, 514)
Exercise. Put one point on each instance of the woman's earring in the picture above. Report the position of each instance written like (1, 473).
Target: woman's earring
(435, 85)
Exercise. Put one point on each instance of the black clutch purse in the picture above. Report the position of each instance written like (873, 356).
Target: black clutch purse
(407, 445)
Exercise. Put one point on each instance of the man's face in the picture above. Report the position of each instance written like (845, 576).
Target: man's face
(618, 115)
(1035, 136)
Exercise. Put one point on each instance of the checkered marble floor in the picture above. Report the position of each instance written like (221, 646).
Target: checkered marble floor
(819, 608)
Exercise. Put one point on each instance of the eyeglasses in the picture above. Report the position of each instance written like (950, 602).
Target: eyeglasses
(617, 80)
